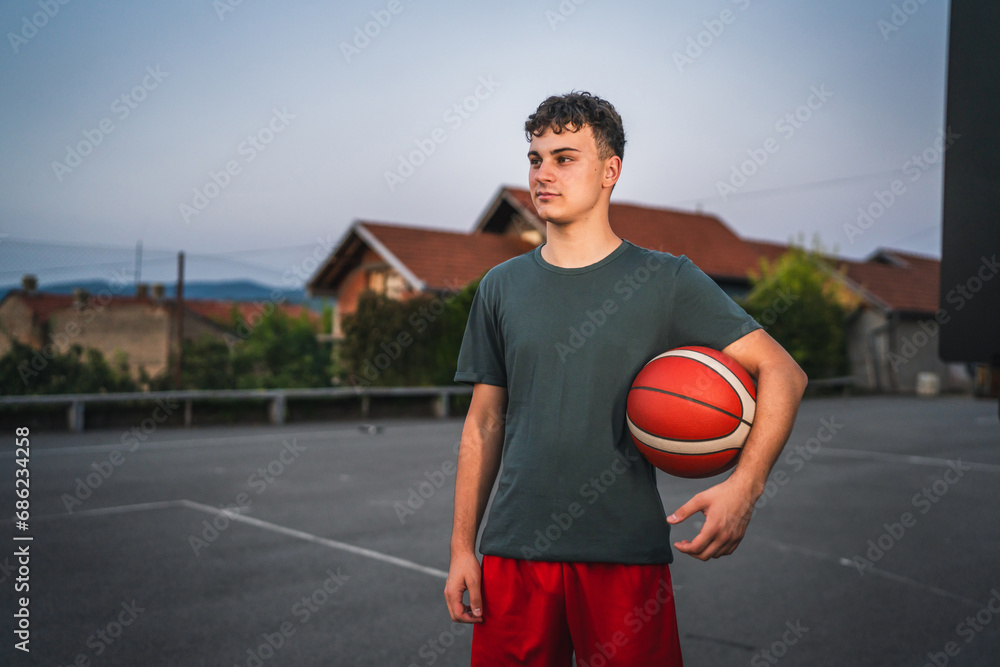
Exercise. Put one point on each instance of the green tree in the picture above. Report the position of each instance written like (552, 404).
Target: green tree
(279, 351)
(208, 364)
(276, 351)
(795, 300)
(404, 343)
(25, 370)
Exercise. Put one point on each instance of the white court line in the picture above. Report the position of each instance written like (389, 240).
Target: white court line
(847, 562)
(266, 525)
(905, 458)
(309, 537)
(118, 509)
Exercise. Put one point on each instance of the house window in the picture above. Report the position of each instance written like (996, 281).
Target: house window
(387, 282)
(376, 281)
(394, 286)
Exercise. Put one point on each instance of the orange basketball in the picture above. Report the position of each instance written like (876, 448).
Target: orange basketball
(690, 410)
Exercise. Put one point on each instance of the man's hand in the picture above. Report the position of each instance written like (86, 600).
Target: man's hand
(465, 574)
(727, 508)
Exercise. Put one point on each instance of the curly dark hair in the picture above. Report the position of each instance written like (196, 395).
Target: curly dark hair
(571, 112)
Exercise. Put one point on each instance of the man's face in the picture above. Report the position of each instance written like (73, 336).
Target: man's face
(565, 175)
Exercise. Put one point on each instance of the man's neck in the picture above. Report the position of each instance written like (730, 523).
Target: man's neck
(578, 244)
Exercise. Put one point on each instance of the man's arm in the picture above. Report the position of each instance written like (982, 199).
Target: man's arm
(729, 505)
(478, 463)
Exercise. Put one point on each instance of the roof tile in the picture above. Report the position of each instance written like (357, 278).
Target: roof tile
(468, 255)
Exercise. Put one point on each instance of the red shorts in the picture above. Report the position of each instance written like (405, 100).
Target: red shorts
(537, 613)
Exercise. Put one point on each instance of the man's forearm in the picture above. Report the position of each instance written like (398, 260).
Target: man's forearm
(478, 463)
(779, 393)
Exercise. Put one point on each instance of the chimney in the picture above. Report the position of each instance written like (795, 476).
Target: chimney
(142, 290)
(80, 296)
(29, 283)
(158, 291)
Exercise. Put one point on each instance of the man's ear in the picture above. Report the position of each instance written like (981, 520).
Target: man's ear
(612, 171)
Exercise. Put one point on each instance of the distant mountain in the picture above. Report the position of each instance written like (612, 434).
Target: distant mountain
(226, 290)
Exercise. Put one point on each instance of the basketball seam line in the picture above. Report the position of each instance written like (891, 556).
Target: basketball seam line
(663, 437)
(695, 400)
(699, 361)
(718, 451)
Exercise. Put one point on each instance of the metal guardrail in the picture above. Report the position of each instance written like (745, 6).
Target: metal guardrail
(844, 383)
(277, 398)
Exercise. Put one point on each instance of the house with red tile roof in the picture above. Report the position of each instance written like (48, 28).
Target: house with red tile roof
(403, 261)
(892, 333)
(892, 292)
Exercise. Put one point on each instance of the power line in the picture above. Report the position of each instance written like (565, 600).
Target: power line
(796, 187)
(131, 249)
(150, 256)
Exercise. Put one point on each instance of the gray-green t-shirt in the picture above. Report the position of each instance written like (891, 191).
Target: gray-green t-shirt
(566, 344)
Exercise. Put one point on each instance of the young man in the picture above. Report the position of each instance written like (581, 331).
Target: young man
(576, 550)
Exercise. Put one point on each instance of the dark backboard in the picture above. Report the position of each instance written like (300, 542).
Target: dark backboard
(970, 275)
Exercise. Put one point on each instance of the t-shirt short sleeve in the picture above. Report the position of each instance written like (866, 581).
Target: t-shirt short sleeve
(703, 314)
(481, 357)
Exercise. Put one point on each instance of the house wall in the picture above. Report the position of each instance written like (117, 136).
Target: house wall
(887, 357)
(142, 331)
(355, 283)
(867, 343)
(15, 324)
(915, 350)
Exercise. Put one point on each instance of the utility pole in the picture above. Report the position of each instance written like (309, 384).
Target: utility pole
(179, 320)
(138, 261)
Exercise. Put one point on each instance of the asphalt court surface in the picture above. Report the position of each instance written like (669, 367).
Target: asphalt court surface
(866, 550)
